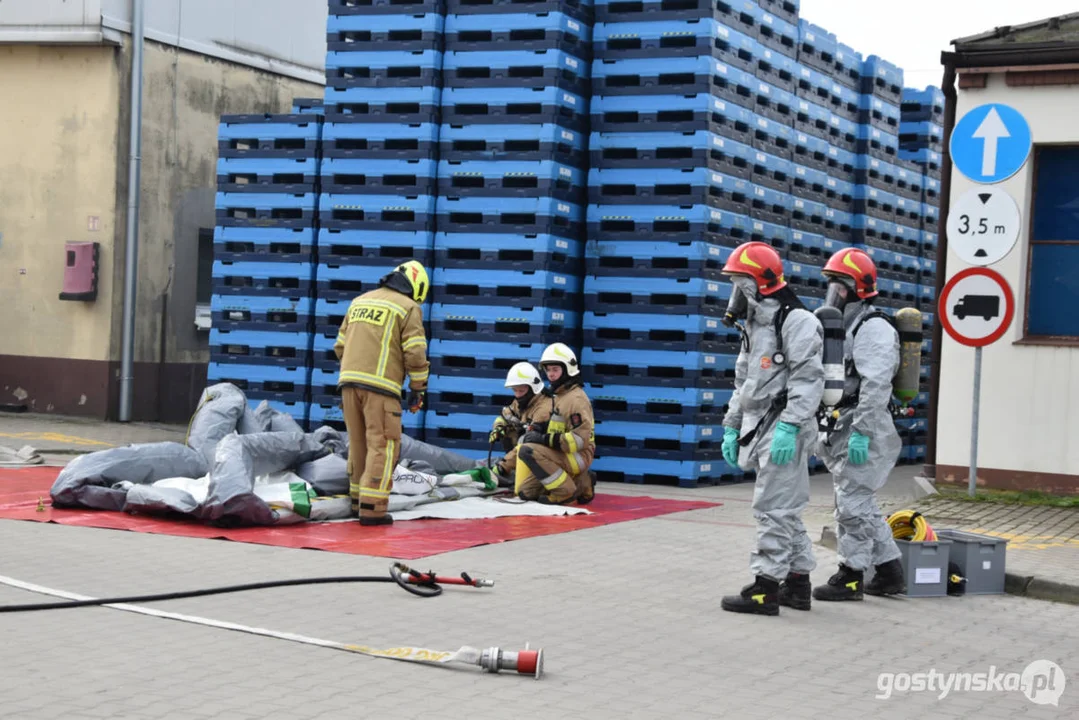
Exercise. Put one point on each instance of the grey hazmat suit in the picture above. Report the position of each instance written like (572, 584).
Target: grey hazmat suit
(781, 493)
(872, 359)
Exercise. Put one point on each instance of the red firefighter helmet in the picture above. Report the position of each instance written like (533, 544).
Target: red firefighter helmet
(856, 265)
(759, 261)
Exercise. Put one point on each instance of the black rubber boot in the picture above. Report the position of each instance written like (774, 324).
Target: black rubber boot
(888, 579)
(796, 592)
(759, 598)
(374, 521)
(844, 585)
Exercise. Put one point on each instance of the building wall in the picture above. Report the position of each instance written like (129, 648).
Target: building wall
(1029, 393)
(65, 145)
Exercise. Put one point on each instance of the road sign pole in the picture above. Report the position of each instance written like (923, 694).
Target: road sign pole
(974, 421)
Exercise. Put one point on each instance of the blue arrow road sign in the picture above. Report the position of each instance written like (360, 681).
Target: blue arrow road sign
(990, 143)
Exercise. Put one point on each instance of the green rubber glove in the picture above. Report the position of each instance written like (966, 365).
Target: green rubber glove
(858, 448)
(784, 441)
(730, 446)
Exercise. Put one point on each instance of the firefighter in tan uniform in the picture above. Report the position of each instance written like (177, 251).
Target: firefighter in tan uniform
(530, 405)
(380, 341)
(554, 457)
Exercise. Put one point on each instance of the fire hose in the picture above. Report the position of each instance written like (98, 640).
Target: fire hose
(493, 660)
(911, 525)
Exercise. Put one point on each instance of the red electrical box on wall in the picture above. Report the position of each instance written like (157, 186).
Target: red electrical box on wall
(80, 271)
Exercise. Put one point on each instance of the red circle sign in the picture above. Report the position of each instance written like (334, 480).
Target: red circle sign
(945, 313)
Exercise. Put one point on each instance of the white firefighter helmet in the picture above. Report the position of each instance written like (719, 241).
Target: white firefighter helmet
(561, 354)
(524, 374)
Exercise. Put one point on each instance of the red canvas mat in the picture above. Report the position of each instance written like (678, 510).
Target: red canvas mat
(20, 491)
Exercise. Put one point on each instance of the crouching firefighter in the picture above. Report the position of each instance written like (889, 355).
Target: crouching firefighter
(530, 405)
(771, 422)
(380, 341)
(858, 440)
(554, 457)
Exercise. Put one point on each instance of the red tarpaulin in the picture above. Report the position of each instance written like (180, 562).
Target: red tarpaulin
(20, 491)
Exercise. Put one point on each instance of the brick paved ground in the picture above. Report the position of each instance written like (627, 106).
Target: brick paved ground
(628, 615)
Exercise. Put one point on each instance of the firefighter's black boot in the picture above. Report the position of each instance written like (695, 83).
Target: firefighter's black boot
(844, 585)
(759, 598)
(888, 579)
(796, 592)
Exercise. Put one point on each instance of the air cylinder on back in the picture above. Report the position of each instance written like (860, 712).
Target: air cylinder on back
(831, 319)
(908, 378)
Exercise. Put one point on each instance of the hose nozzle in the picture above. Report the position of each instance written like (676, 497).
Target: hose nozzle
(525, 662)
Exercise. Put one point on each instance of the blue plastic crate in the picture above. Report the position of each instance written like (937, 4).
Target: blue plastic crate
(838, 224)
(873, 171)
(908, 212)
(685, 37)
(261, 278)
(656, 295)
(779, 33)
(868, 230)
(894, 265)
(773, 137)
(578, 9)
(923, 105)
(655, 259)
(527, 143)
(542, 215)
(386, 33)
(457, 394)
(928, 273)
(777, 69)
(658, 331)
(689, 474)
(908, 239)
(875, 202)
(672, 113)
(775, 103)
(816, 47)
(809, 183)
(809, 216)
(257, 347)
(848, 64)
(616, 11)
(267, 175)
(810, 151)
(262, 382)
(879, 113)
(345, 282)
(516, 69)
(661, 368)
(417, 68)
(492, 251)
(669, 186)
(927, 294)
(329, 314)
(883, 79)
(673, 76)
(279, 210)
(839, 194)
(930, 190)
(383, 105)
(672, 150)
(275, 314)
(377, 212)
(928, 160)
(510, 178)
(373, 247)
(806, 279)
(504, 288)
(929, 244)
(930, 216)
(844, 134)
(268, 136)
(655, 440)
(771, 205)
(473, 359)
(921, 133)
(807, 247)
(259, 244)
(900, 291)
(379, 141)
(458, 431)
(772, 171)
(508, 324)
(514, 106)
(308, 106)
(663, 223)
(908, 183)
(814, 86)
(841, 163)
(367, 176)
(384, 7)
(518, 31)
(786, 9)
(633, 403)
(814, 119)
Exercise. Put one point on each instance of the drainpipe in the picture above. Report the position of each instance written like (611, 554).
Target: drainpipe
(950, 98)
(131, 248)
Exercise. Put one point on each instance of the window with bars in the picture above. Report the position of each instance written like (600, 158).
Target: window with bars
(1053, 280)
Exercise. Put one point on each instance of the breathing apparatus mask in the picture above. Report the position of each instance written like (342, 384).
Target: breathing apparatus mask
(743, 298)
(840, 293)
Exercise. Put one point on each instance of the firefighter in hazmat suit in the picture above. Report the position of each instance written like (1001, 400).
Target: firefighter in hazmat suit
(530, 405)
(381, 339)
(862, 447)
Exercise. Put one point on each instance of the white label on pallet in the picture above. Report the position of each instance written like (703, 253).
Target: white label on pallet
(713, 250)
(717, 141)
(723, 31)
(926, 576)
(559, 280)
(716, 215)
(762, 158)
(800, 171)
(708, 396)
(562, 207)
(709, 359)
(832, 182)
(713, 287)
(759, 192)
(569, 98)
(810, 37)
(558, 316)
(987, 564)
(761, 122)
(719, 105)
(567, 135)
(561, 244)
(706, 468)
(573, 26)
(564, 172)
(716, 178)
(706, 432)
(571, 62)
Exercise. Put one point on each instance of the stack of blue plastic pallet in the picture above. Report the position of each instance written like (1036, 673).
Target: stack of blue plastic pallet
(380, 154)
(263, 271)
(510, 188)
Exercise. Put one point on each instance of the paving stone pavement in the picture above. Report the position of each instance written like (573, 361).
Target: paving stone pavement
(628, 616)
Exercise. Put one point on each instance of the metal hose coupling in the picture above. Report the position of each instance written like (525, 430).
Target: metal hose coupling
(525, 662)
